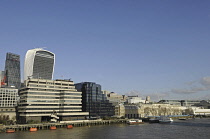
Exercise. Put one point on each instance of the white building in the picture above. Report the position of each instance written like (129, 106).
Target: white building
(8, 102)
(135, 99)
(40, 99)
(201, 111)
(8, 97)
(116, 98)
(119, 110)
(39, 63)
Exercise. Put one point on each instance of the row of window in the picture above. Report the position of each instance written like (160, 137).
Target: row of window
(43, 86)
(44, 83)
(49, 112)
(49, 109)
(50, 105)
(41, 93)
(50, 101)
(7, 110)
(46, 97)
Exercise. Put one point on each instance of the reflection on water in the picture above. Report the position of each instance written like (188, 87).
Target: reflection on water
(188, 129)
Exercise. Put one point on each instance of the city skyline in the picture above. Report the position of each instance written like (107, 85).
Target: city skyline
(151, 48)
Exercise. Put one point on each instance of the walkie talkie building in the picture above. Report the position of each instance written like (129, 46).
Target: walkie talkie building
(39, 64)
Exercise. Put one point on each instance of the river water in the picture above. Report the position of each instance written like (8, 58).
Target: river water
(186, 129)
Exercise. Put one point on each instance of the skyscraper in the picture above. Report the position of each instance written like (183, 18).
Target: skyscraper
(39, 63)
(12, 70)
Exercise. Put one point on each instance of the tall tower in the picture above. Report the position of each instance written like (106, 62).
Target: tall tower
(39, 64)
(12, 70)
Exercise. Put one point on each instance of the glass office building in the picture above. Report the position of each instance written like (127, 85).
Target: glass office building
(39, 63)
(12, 70)
(94, 101)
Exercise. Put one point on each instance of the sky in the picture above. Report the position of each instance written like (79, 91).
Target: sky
(156, 48)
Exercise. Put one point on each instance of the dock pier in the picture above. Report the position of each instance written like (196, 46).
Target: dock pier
(62, 124)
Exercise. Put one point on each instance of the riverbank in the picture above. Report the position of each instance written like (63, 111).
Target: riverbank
(62, 124)
(78, 123)
(179, 129)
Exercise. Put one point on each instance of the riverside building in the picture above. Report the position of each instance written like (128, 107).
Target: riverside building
(41, 100)
(39, 63)
(8, 102)
(94, 101)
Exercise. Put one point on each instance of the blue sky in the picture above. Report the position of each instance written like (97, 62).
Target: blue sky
(147, 47)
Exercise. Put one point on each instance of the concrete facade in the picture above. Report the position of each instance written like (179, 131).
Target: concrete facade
(119, 110)
(40, 99)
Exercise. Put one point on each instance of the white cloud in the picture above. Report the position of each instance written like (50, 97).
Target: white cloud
(205, 81)
(202, 85)
(158, 96)
(133, 93)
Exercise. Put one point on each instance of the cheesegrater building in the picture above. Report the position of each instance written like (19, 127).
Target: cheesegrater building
(39, 63)
(43, 100)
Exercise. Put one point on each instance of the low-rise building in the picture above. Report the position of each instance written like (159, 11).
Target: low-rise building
(204, 104)
(203, 112)
(162, 109)
(135, 99)
(119, 111)
(116, 98)
(133, 111)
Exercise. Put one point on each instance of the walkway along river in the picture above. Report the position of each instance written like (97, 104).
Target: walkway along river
(22, 127)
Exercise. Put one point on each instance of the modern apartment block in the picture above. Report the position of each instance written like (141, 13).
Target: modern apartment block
(40, 99)
(94, 101)
(39, 63)
(12, 70)
(8, 102)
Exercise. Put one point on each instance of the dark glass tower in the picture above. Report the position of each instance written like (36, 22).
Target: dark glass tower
(12, 70)
(93, 101)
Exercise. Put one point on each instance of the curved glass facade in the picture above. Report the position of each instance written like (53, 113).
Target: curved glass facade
(39, 64)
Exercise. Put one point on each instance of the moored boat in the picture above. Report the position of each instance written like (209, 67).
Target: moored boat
(132, 122)
(154, 120)
(33, 129)
(53, 128)
(182, 118)
(69, 126)
(165, 119)
(10, 131)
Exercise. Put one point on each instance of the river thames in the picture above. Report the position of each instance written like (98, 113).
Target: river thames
(186, 129)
